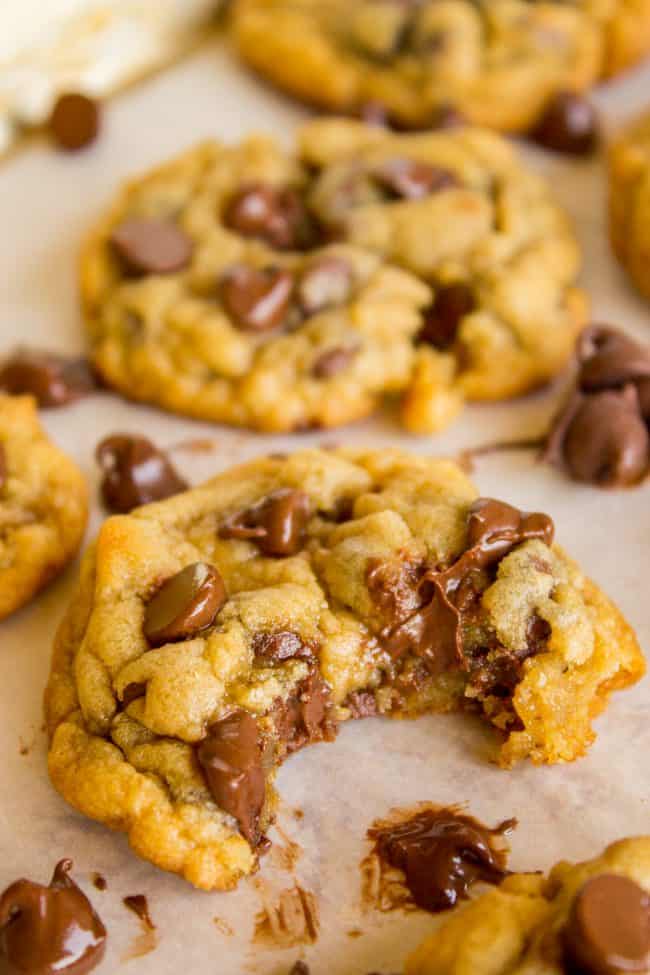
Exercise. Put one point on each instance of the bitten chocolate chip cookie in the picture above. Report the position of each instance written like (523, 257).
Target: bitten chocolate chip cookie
(208, 289)
(591, 917)
(287, 595)
(629, 202)
(498, 62)
(43, 505)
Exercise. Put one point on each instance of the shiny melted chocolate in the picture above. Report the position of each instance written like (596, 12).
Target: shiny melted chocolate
(276, 523)
(442, 853)
(49, 930)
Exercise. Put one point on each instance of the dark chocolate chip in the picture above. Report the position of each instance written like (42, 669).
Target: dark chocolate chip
(442, 320)
(412, 180)
(276, 215)
(54, 380)
(569, 125)
(609, 359)
(305, 716)
(276, 523)
(606, 441)
(280, 645)
(231, 759)
(136, 472)
(608, 931)
(149, 245)
(74, 121)
(184, 605)
(49, 930)
(325, 283)
(334, 361)
(257, 299)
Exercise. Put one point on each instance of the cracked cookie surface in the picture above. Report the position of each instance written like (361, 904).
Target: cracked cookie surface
(590, 917)
(208, 289)
(629, 201)
(43, 505)
(216, 632)
(498, 62)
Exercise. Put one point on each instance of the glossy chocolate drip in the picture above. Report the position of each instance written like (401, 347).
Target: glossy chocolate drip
(276, 523)
(231, 758)
(136, 472)
(54, 380)
(49, 930)
(442, 853)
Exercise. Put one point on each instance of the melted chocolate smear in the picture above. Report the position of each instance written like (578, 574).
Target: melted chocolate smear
(54, 380)
(305, 717)
(433, 630)
(608, 930)
(231, 759)
(442, 853)
(276, 523)
(136, 472)
(138, 904)
(148, 939)
(50, 930)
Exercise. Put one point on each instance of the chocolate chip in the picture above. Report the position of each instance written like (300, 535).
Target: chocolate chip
(569, 125)
(333, 361)
(149, 245)
(49, 930)
(442, 320)
(610, 359)
(643, 392)
(412, 180)
(276, 523)
(276, 215)
(606, 441)
(74, 122)
(136, 472)
(132, 692)
(608, 931)
(3, 467)
(184, 605)
(305, 716)
(257, 299)
(231, 759)
(54, 380)
(325, 283)
(281, 645)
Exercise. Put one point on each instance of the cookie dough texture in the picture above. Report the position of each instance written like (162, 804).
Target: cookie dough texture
(43, 505)
(629, 201)
(125, 720)
(171, 338)
(496, 61)
(516, 928)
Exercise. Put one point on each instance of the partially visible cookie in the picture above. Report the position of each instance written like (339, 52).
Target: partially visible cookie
(43, 505)
(497, 62)
(629, 201)
(209, 289)
(591, 917)
(216, 632)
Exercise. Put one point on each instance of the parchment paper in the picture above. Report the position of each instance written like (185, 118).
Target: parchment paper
(47, 202)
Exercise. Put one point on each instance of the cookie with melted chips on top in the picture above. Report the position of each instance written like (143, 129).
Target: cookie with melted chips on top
(217, 632)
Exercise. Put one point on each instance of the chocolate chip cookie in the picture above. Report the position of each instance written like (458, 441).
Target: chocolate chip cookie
(591, 917)
(210, 289)
(498, 62)
(260, 610)
(629, 201)
(43, 505)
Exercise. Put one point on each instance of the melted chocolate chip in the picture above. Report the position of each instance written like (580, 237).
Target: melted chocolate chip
(334, 361)
(609, 359)
(276, 523)
(257, 299)
(442, 853)
(3, 467)
(325, 283)
(149, 245)
(442, 320)
(608, 931)
(231, 759)
(74, 122)
(49, 930)
(281, 645)
(569, 125)
(54, 380)
(184, 605)
(409, 179)
(136, 472)
(305, 717)
(276, 215)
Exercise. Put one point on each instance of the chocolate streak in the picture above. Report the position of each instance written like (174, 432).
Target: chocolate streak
(49, 930)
